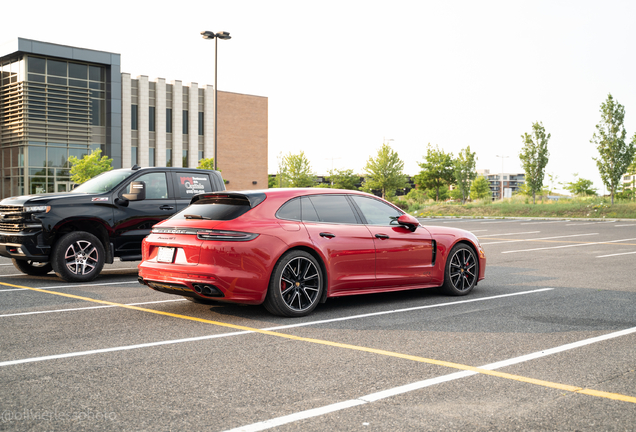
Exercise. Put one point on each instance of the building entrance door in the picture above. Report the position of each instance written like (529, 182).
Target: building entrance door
(62, 186)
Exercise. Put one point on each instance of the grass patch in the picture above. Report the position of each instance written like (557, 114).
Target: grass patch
(517, 207)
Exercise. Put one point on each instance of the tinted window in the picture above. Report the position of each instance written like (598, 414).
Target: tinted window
(215, 208)
(333, 208)
(189, 184)
(156, 185)
(308, 212)
(290, 210)
(376, 212)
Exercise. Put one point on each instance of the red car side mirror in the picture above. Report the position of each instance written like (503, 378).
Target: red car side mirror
(408, 221)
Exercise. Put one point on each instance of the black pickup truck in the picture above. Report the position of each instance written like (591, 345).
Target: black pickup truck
(75, 233)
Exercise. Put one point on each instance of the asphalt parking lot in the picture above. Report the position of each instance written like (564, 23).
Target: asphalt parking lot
(546, 342)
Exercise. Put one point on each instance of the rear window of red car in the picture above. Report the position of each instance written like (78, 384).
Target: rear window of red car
(215, 208)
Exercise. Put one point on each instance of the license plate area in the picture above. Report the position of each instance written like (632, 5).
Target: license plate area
(165, 254)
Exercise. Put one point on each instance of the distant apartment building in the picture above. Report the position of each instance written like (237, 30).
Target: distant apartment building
(59, 101)
(629, 181)
(511, 183)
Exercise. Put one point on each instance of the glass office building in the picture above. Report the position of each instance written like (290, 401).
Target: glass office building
(55, 102)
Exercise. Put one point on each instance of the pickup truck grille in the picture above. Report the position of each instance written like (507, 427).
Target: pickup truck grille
(8, 227)
(12, 219)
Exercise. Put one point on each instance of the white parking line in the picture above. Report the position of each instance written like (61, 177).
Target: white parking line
(507, 234)
(616, 254)
(103, 271)
(590, 223)
(625, 225)
(86, 308)
(200, 338)
(565, 246)
(75, 285)
(543, 222)
(374, 397)
(540, 238)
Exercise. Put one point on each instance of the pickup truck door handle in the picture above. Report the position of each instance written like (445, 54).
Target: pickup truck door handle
(166, 207)
(381, 236)
(326, 234)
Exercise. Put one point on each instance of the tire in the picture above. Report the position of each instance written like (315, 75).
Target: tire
(462, 271)
(78, 257)
(295, 286)
(32, 268)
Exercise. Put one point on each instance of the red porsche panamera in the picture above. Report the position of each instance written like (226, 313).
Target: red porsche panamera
(290, 249)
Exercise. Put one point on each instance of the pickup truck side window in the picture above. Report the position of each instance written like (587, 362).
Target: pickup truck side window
(156, 185)
(190, 184)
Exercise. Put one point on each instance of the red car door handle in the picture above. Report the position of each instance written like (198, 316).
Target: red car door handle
(328, 235)
(381, 236)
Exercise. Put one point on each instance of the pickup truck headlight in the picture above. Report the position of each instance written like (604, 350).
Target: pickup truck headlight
(37, 209)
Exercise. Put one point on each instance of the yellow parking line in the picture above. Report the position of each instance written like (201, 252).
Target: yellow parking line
(564, 387)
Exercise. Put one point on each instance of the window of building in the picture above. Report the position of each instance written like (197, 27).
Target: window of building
(185, 158)
(133, 155)
(151, 119)
(151, 157)
(134, 117)
(200, 123)
(185, 122)
(168, 120)
(168, 157)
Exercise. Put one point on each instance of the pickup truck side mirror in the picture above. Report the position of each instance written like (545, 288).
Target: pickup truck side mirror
(137, 191)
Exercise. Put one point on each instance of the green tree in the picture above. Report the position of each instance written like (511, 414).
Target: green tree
(297, 171)
(580, 187)
(465, 173)
(552, 181)
(631, 170)
(480, 188)
(384, 173)
(438, 171)
(615, 155)
(207, 164)
(89, 166)
(534, 158)
(343, 179)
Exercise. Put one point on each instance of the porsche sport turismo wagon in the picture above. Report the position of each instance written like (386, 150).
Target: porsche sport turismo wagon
(290, 249)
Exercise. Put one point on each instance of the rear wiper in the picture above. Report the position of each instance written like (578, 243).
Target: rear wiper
(196, 217)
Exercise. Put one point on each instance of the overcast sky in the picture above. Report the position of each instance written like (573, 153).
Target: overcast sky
(344, 76)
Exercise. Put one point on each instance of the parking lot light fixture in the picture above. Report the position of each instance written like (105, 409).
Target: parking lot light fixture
(216, 36)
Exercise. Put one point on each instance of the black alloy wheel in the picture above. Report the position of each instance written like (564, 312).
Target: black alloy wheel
(78, 257)
(462, 270)
(296, 285)
(32, 268)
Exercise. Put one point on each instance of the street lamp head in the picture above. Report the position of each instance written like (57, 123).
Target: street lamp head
(211, 35)
(207, 34)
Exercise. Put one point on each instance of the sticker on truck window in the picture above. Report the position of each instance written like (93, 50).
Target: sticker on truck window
(191, 184)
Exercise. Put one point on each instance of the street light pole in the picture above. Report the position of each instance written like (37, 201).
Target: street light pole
(502, 173)
(216, 36)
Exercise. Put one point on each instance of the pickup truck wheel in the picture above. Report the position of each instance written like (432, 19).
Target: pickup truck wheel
(32, 268)
(78, 257)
